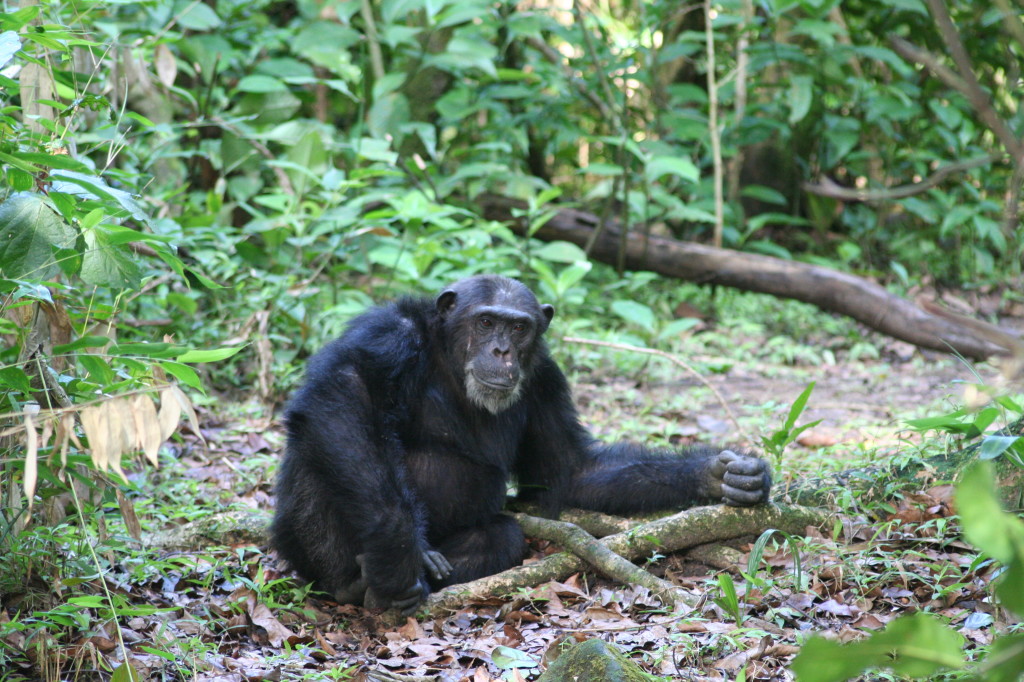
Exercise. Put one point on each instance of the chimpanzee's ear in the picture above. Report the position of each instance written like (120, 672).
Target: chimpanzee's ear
(548, 311)
(446, 302)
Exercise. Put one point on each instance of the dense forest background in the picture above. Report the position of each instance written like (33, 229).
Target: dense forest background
(196, 196)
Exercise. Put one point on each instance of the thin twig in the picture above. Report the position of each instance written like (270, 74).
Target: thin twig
(674, 360)
(740, 105)
(828, 188)
(376, 57)
(716, 141)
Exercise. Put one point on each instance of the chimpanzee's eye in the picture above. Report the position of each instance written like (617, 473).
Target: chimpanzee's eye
(486, 322)
(519, 327)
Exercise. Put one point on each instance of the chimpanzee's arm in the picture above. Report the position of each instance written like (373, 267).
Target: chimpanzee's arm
(624, 478)
(561, 464)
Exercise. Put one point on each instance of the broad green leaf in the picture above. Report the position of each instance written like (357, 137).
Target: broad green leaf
(104, 264)
(985, 523)
(197, 16)
(79, 344)
(679, 166)
(182, 373)
(93, 187)
(261, 83)
(466, 52)
(765, 194)
(561, 252)
(325, 42)
(14, 378)
(636, 313)
(388, 114)
(9, 46)
(29, 233)
(993, 446)
(801, 91)
(916, 646)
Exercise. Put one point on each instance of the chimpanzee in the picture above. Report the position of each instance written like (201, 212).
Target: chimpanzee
(409, 427)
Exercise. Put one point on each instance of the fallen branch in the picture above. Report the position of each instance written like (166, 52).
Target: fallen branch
(689, 528)
(828, 289)
(602, 559)
(827, 187)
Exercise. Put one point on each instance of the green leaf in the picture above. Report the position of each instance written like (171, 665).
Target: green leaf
(29, 232)
(125, 673)
(183, 373)
(9, 46)
(993, 446)
(197, 16)
(678, 166)
(561, 252)
(14, 378)
(985, 523)
(79, 344)
(159, 350)
(916, 646)
(104, 264)
(260, 83)
(93, 187)
(798, 406)
(765, 194)
(801, 90)
(508, 658)
(636, 313)
(215, 355)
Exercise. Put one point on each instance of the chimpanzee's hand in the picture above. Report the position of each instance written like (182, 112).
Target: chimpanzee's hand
(407, 600)
(436, 565)
(738, 480)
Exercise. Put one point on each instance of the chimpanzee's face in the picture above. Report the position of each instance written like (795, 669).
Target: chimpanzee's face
(495, 324)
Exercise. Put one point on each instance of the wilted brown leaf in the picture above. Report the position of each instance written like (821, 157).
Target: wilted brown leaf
(31, 454)
(147, 427)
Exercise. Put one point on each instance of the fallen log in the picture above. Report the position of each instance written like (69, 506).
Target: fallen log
(830, 290)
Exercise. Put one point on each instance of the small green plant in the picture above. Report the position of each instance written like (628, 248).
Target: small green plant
(728, 600)
(775, 444)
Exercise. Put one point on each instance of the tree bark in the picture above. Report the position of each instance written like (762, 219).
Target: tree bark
(830, 290)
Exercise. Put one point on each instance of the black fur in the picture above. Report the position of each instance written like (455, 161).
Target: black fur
(394, 455)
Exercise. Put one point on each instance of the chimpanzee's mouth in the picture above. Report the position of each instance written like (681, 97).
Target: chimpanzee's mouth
(495, 383)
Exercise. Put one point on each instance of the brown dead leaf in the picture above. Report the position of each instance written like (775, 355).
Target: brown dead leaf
(869, 621)
(31, 455)
(147, 427)
(411, 629)
(170, 414)
(816, 439)
(276, 633)
(166, 65)
(131, 520)
(96, 424)
(834, 608)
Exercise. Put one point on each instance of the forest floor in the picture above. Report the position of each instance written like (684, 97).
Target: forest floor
(234, 614)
